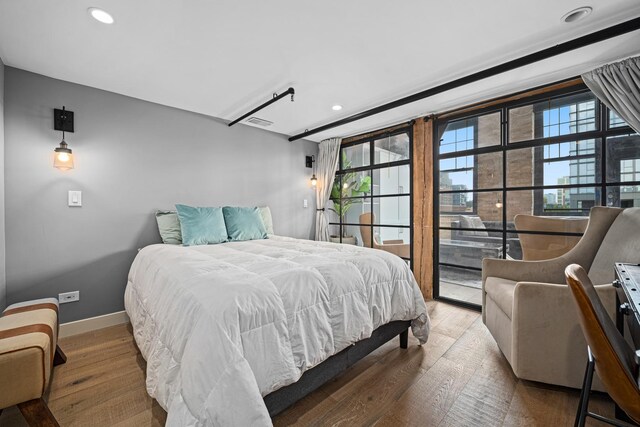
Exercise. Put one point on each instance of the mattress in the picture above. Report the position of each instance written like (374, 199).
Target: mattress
(221, 326)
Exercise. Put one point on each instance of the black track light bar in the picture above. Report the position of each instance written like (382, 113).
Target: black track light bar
(291, 91)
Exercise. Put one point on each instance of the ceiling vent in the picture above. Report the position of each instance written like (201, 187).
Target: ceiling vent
(259, 122)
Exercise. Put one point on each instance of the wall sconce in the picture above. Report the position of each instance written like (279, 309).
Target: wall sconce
(63, 156)
(309, 161)
(499, 203)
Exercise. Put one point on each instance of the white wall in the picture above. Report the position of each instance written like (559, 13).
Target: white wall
(132, 157)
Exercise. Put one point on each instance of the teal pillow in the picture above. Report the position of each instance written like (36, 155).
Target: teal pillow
(244, 223)
(201, 226)
(169, 227)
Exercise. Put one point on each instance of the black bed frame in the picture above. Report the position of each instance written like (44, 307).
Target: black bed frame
(315, 377)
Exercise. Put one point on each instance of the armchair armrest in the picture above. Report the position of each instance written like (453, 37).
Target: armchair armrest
(547, 271)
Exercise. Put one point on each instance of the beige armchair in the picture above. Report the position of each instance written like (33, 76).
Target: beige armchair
(527, 306)
(396, 247)
(537, 247)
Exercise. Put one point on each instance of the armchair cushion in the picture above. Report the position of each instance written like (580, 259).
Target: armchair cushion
(501, 291)
(621, 244)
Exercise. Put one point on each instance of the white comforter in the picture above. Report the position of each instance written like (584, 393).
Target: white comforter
(221, 326)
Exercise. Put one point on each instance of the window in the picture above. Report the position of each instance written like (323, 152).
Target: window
(372, 194)
(545, 158)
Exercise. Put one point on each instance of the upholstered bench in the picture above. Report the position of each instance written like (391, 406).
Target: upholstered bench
(28, 352)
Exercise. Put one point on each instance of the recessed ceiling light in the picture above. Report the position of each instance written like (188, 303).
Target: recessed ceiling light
(100, 15)
(577, 14)
(336, 107)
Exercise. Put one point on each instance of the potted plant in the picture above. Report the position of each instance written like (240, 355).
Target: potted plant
(351, 185)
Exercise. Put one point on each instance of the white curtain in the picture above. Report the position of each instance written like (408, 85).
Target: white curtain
(618, 86)
(326, 165)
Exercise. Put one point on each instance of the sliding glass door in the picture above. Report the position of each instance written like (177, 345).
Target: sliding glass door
(555, 155)
(371, 196)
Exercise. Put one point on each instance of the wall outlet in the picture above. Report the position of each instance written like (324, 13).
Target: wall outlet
(69, 297)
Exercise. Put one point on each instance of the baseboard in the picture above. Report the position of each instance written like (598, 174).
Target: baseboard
(93, 323)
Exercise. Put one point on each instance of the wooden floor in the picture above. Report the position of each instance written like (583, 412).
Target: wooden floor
(459, 378)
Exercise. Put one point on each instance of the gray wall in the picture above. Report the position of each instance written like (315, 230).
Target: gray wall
(3, 287)
(132, 157)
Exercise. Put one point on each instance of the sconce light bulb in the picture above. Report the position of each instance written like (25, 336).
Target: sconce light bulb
(63, 157)
(345, 185)
(314, 181)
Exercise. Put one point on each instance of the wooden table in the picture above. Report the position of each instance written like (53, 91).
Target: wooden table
(627, 284)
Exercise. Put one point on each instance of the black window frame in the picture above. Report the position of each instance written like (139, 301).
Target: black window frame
(602, 133)
(408, 130)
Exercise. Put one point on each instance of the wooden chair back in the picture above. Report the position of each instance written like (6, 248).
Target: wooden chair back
(366, 219)
(615, 362)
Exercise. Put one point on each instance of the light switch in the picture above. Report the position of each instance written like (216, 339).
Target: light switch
(75, 198)
(305, 203)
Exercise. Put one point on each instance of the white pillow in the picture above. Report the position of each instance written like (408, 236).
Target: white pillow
(265, 213)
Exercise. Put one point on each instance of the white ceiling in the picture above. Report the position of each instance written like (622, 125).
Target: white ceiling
(222, 58)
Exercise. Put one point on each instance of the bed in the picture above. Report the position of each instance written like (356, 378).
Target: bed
(237, 331)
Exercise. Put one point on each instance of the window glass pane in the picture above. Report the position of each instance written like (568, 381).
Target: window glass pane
(467, 134)
(565, 163)
(552, 202)
(334, 233)
(355, 156)
(486, 205)
(615, 121)
(623, 158)
(459, 136)
(470, 251)
(351, 184)
(391, 210)
(623, 196)
(461, 284)
(470, 228)
(353, 209)
(392, 148)
(489, 130)
(330, 212)
(394, 180)
(391, 239)
(457, 203)
(554, 117)
(350, 187)
(471, 172)
(351, 235)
